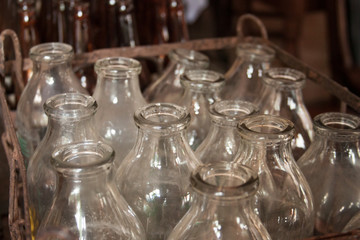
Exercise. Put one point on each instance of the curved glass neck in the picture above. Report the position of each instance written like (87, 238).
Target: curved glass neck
(255, 52)
(190, 59)
(284, 79)
(338, 127)
(224, 181)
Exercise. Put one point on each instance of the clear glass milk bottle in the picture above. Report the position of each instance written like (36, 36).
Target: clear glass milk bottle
(332, 167)
(52, 74)
(284, 201)
(118, 94)
(154, 176)
(201, 90)
(282, 96)
(221, 207)
(167, 87)
(71, 119)
(243, 79)
(86, 202)
(223, 142)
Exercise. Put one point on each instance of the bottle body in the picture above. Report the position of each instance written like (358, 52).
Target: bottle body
(223, 142)
(282, 96)
(86, 193)
(243, 79)
(167, 87)
(285, 190)
(70, 120)
(52, 74)
(201, 90)
(118, 96)
(330, 163)
(154, 176)
(230, 211)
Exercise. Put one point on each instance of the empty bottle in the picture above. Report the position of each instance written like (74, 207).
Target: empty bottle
(221, 207)
(154, 176)
(86, 202)
(331, 165)
(223, 141)
(52, 74)
(284, 201)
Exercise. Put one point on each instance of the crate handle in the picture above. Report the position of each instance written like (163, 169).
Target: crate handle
(240, 26)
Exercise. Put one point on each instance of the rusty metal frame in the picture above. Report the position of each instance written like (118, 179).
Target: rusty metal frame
(19, 220)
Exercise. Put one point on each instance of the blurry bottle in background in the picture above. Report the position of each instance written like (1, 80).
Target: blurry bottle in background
(178, 31)
(83, 42)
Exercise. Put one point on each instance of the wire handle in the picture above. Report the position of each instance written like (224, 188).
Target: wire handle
(245, 17)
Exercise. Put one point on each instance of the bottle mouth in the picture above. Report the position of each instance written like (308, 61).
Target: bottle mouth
(255, 52)
(203, 80)
(190, 58)
(230, 112)
(266, 128)
(284, 78)
(82, 158)
(120, 67)
(52, 53)
(70, 106)
(340, 126)
(224, 180)
(162, 117)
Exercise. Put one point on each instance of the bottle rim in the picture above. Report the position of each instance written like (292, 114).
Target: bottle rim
(51, 53)
(162, 117)
(117, 67)
(190, 58)
(284, 78)
(338, 126)
(202, 80)
(266, 128)
(255, 52)
(238, 181)
(70, 106)
(230, 112)
(82, 158)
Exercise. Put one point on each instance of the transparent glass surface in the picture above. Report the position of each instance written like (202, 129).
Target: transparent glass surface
(284, 201)
(167, 87)
(353, 224)
(201, 90)
(283, 97)
(154, 176)
(86, 202)
(70, 120)
(221, 207)
(52, 74)
(332, 167)
(223, 142)
(118, 95)
(243, 79)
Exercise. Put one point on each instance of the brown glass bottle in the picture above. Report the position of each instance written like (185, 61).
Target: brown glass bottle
(28, 35)
(83, 42)
(176, 21)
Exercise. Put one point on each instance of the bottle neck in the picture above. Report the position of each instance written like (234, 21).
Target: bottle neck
(63, 131)
(81, 29)
(55, 69)
(118, 88)
(126, 24)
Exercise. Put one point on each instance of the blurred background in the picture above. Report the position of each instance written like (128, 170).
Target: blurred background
(325, 34)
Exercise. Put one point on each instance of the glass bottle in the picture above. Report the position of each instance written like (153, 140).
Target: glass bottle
(284, 201)
(353, 224)
(167, 87)
(28, 35)
(118, 94)
(332, 167)
(126, 24)
(52, 74)
(221, 207)
(243, 79)
(109, 24)
(223, 142)
(154, 176)
(176, 21)
(86, 201)
(70, 120)
(201, 89)
(282, 96)
(83, 42)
